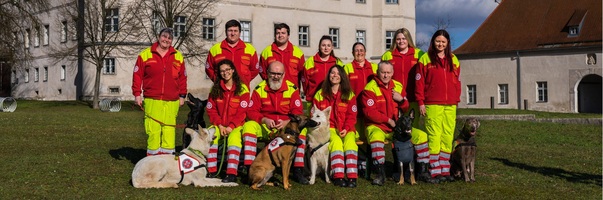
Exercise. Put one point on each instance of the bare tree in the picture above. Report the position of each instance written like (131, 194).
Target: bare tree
(438, 24)
(15, 17)
(185, 16)
(107, 26)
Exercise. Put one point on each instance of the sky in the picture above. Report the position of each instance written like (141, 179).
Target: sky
(465, 17)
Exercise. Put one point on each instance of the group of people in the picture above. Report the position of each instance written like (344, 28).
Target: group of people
(364, 97)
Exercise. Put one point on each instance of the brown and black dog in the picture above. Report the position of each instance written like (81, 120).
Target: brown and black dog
(279, 153)
(464, 152)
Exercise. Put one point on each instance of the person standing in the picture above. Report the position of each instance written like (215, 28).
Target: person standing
(243, 55)
(438, 91)
(160, 75)
(283, 51)
(315, 68)
(405, 56)
(226, 108)
(337, 94)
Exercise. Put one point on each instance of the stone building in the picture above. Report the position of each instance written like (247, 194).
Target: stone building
(536, 55)
(372, 22)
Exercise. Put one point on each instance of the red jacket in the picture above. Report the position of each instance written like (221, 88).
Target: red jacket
(292, 57)
(314, 72)
(405, 66)
(437, 85)
(360, 75)
(378, 104)
(231, 109)
(161, 78)
(343, 114)
(274, 105)
(243, 56)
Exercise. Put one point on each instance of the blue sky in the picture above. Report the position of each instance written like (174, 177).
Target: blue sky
(466, 16)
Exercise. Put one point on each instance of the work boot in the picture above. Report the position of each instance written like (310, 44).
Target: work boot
(230, 178)
(440, 178)
(380, 179)
(352, 182)
(449, 178)
(423, 174)
(298, 175)
(212, 175)
(339, 182)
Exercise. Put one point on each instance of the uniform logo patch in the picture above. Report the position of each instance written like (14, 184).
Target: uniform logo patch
(257, 65)
(418, 77)
(370, 102)
(261, 69)
(185, 72)
(207, 65)
(250, 103)
(209, 106)
(135, 68)
(312, 110)
(297, 103)
(244, 104)
(187, 163)
(354, 108)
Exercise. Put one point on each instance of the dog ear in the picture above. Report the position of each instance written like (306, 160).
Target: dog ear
(400, 113)
(477, 123)
(327, 112)
(412, 113)
(294, 118)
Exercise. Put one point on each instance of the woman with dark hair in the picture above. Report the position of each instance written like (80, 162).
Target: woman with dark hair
(315, 68)
(227, 108)
(438, 90)
(337, 94)
(405, 56)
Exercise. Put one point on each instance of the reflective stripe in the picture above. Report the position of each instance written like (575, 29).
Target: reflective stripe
(232, 166)
(378, 153)
(445, 170)
(212, 164)
(250, 148)
(168, 151)
(444, 163)
(377, 144)
(422, 146)
(444, 156)
(338, 170)
(351, 152)
(251, 139)
(423, 160)
(336, 161)
(434, 157)
(249, 157)
(351, 161)
(435, 171)
(379, 161)
(352, 170)
(233, 157)
(434, 165)
(336, 153)
(424, 154)
(212, 155)
(152, 151)
(230, 148)
(299, 159)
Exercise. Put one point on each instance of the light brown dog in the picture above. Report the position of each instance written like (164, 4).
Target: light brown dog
(464, 152)
(278, 154)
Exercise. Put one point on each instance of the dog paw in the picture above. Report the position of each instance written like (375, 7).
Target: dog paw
(413, 183)
(401, 183)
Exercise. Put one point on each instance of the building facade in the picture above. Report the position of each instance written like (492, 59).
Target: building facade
(372, 22)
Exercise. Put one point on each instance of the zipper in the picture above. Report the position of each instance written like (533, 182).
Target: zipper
(163, 80)
(445, 83)
(224, 114)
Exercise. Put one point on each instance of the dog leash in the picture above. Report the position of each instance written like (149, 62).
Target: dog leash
(156, 119)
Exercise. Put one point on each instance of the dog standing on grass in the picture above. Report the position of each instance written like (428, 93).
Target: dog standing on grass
(403, 147)
(318, 144)
(463, 155)
(167, 171)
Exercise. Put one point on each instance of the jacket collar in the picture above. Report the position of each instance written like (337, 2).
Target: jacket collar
(382, 85)
(367, 65)
(156, 44)
(223, 84)
(317, 59)
(289, 47)
(240, 45)
(411, 51)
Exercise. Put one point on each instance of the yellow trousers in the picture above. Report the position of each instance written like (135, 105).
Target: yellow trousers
(161, 138)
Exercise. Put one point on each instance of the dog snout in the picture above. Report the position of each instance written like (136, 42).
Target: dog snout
(312, 123)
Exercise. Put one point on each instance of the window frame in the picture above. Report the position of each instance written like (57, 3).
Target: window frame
(36, 37)
(391, 38)
(111, 23)
(471, 94)
(46, 35)
(503, 94)
(334, 33)
(361, 1)
(63, 72)
(391, 1)
(45, 74)
(363, 37)
(542, 86)
(248, 30)
(27, 39)
(64, 31)
(108, 71)
(26, 75)
(179, 26)
(300, 34)
(36, 74)
(208, 29)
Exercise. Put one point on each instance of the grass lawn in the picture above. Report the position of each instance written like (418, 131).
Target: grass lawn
(65, 150)
(538, 114)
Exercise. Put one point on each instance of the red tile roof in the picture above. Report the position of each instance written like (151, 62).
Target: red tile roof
(536, 24)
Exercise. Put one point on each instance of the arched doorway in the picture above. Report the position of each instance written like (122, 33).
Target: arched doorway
(589, 94)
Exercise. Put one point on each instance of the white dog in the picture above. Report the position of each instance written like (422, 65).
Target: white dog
(167, 171)
(318, 144)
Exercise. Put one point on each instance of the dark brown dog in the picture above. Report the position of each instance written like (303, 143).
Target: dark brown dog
(279, 153)
(464, 152)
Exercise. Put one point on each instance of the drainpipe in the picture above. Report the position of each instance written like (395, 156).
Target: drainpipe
(79, 77)
(518, 82)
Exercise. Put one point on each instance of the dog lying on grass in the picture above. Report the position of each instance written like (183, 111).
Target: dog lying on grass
(403, 147)
(279, 153)
(464, 152)
(318, 145)
(167, 171)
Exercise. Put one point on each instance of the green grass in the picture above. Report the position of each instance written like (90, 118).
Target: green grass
(65, 150)
(538, 114)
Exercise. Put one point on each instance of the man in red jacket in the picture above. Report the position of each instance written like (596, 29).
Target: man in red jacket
(160, 74)
(381, 99)
(243, 55)
(283, 51)
(271, 103)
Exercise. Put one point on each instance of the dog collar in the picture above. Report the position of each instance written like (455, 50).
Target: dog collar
(196, 152)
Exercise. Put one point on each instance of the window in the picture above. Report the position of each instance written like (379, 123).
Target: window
(37, 37)
(46, 38)
(209, 27)
(360, 1)
(74, 25)
(361, 36)
(542, 91)
(304, 36)
(246, 31)
(503, 93)
(60, 91)
(391, 1)
(334, 33)
(27, 36)
(574, 31)
(45, 74)
(471, 94)
(109, 66)
(389, 39)
(156, 22)
(63, 73)
(64, 31)
(36, 74)
(111, 20)
(114, 90)
(179, 26)
(26, 75)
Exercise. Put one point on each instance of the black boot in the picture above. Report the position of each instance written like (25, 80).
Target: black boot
(339, 182)
(243, 169)
(298, 174)
(440, 178)
(352, 182)
(449, 178)
(423, 174)
(230, 178)
(380, 179)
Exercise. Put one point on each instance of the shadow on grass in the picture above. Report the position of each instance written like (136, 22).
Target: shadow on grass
(574, 177)
(128, 153)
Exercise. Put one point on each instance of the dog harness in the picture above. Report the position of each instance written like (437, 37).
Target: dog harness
(188, 164)
(276, 144)
(457, 144)
(317, 147)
